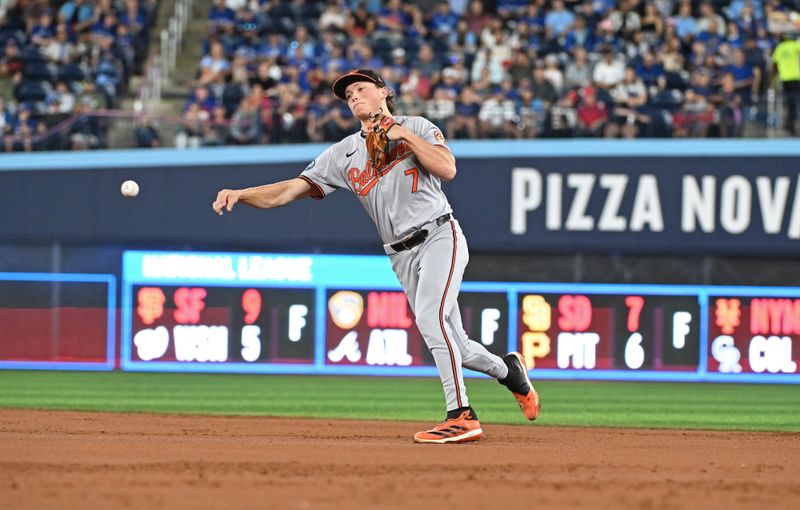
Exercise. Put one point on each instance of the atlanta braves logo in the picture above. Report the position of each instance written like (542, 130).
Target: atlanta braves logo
(364, 180)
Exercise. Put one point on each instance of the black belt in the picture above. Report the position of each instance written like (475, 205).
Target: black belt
(420, 235)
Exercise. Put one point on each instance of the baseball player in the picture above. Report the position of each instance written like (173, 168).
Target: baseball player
(394, 165)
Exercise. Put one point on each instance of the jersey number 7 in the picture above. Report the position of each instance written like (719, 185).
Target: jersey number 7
(414, 172)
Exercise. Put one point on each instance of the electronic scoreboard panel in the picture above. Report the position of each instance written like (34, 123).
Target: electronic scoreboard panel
(752, 333)
(223, 324)
(594, 331)
(376, 327)
(57, 321)
(336, 314)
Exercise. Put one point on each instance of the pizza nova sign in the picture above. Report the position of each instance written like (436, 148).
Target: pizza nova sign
(628, 202)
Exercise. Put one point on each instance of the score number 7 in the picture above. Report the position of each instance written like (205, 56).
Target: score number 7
(415, 173)
(634, 352)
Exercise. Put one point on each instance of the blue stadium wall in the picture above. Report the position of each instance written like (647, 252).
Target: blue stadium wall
(531, 210)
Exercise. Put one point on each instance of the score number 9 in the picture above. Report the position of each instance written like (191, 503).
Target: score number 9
(251, 343)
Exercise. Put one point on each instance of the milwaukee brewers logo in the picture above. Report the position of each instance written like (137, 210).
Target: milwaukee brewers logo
(346, 308)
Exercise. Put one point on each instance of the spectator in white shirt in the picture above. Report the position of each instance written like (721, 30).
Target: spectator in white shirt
(440, 108)
(553, 74)
(609, 71)
(498, 116)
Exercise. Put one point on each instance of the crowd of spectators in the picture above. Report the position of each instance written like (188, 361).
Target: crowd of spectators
(505, 69)
(63, 58)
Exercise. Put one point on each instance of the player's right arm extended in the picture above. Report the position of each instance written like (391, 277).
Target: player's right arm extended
(262, 197)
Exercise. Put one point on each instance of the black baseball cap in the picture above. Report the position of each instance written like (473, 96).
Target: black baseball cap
(342, 82)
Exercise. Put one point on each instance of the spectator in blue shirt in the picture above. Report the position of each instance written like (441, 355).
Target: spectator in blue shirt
(203, 99)
(274, 47)
(134, 17)
(220, 14)
(248, 23)
(558, 21)
(393, 18)
(746, 77)
(362, 57)
(685, 24)
(444, 21)
(213, 64)
(510, 9)
(337, 62)
(739, 8)
(534, 17)
(579, 36)
(303, 41)
(734, 37)
(649, 69)
(44, 31)
(106, 27)
(463, 39)
(77, 14)
(465, 120)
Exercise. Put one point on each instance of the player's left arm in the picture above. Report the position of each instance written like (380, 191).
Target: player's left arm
(437, 159)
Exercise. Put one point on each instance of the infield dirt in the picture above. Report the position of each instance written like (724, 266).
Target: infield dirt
(55, 459)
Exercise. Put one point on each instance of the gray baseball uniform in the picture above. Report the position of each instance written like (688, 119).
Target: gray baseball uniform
(403, 199)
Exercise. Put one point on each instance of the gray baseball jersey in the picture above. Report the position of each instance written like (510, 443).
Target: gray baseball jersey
(399, 198)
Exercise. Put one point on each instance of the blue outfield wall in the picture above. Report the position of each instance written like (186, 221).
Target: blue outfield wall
(731, 197)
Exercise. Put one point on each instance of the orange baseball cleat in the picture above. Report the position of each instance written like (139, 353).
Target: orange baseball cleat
(518, 382)
(462, 429)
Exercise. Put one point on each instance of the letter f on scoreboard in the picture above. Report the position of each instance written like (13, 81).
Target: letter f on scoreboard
(680, 328)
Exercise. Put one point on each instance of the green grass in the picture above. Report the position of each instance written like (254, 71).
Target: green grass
(581, 403)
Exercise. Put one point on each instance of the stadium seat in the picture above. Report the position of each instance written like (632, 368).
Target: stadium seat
(8, 35)
(669, 99)
(661, 125)
(32, 55)
(38, 71)
(677, 80)
(33, 91)
(231, 98)
(71, 73)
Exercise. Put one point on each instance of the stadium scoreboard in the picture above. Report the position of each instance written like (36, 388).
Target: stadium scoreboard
(609, 330)
(55, 321)
(337, 314)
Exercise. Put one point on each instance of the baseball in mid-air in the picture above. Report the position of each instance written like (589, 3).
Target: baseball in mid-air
(129, 188)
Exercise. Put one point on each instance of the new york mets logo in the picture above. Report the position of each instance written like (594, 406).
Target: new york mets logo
(364, 180)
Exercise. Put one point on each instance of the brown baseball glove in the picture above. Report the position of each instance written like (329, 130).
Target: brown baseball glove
(377, 141)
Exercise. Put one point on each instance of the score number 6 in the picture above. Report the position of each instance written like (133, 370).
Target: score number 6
(634, 352)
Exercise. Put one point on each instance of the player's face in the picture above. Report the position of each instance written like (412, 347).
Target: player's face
(363, 98)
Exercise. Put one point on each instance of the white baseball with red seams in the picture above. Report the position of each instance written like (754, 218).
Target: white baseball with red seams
(402, 198)
(129, 188)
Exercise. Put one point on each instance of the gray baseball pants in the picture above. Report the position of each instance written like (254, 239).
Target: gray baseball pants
(431, 275)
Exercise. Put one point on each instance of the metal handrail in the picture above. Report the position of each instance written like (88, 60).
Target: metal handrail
(171, 38)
